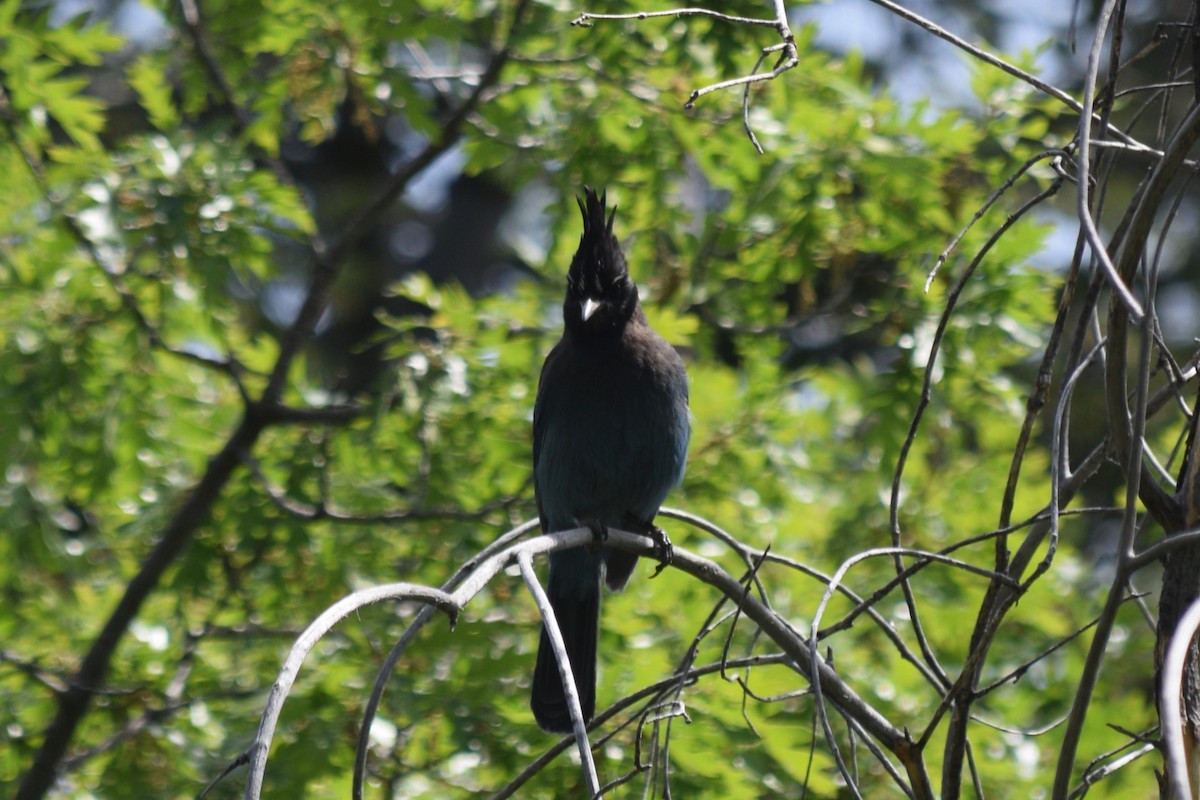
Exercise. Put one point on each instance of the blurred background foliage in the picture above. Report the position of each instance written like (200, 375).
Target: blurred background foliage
(167, 169)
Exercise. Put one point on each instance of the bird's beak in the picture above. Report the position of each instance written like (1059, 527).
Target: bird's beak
(589, 307)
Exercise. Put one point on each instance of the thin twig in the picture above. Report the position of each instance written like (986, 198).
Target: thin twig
(585, 19)
(786, 48)
(1107, 620)
(1083, 160)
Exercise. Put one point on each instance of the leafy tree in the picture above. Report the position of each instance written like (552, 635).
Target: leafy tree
(252, 364)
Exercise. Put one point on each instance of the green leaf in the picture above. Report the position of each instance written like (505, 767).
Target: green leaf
(148, 78)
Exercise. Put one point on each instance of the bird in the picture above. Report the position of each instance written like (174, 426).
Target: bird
(611, 426)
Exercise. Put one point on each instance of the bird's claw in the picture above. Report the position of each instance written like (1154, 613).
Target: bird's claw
(664, 551)
(599, 529)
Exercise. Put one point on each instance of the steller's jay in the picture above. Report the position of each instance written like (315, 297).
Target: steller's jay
(610, 434)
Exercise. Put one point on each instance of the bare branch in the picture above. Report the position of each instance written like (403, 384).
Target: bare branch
(1170, 698)
(786, 48)
(393, 657)
(570, 691)
(585, 19)
(803, 656)
(394, 592)
(1083, 159)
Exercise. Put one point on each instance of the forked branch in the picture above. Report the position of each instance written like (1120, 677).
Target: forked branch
(784, 51)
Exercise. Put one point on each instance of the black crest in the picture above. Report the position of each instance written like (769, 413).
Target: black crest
(595, 225)
(599, 265)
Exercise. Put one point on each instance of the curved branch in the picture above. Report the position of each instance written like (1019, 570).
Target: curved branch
(308, 640)
(570, 689)
(803, 655)
(1169, 699)
(393, 657)
(1116, 281)
(1165, 509)
(1134, 467)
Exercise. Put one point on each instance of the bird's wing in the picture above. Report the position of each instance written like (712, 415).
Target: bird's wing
(539, 426)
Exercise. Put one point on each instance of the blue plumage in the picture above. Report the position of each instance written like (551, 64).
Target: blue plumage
(610, 436)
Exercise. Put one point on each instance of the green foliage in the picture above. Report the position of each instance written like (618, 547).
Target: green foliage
(131, 336)
(36, 60)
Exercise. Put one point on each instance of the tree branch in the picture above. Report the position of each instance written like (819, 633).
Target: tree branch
(197, 508)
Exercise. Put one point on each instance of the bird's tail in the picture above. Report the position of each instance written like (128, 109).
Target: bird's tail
(577, 609)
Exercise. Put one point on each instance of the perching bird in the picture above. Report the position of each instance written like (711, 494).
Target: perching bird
(610, 434)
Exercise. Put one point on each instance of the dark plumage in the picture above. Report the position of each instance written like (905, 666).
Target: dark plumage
(610, 435)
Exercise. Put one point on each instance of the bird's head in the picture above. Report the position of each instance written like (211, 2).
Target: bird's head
(601, 297)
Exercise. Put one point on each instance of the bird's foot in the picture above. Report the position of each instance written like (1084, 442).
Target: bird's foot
(599, 529)
(664, 551)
